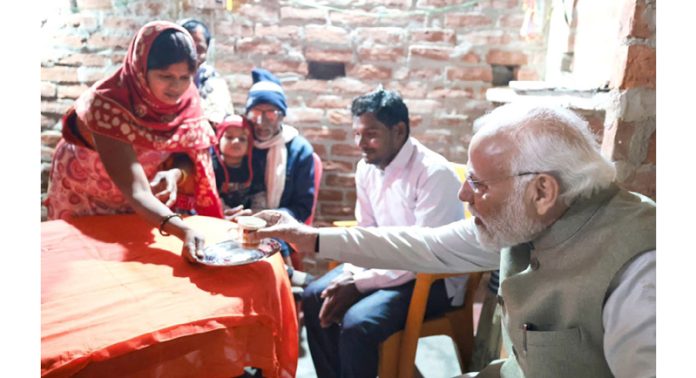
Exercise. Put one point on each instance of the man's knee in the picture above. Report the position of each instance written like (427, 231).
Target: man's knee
(311, 297)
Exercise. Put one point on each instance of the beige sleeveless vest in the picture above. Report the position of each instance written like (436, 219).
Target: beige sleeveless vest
(553, 289)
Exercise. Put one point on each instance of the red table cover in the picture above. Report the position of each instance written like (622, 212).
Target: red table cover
(118, 300)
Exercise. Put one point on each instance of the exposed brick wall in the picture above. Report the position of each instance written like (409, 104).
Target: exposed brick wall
(630, 127)
(440, 62)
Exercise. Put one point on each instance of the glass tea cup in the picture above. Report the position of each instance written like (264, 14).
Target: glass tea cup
(247, 225)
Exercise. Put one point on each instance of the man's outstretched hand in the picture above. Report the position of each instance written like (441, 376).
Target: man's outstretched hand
(283, 226)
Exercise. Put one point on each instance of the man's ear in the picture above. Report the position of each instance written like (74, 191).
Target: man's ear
(400, 129)
(546, 191)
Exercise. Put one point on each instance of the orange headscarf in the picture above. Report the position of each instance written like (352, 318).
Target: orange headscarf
(123, 107)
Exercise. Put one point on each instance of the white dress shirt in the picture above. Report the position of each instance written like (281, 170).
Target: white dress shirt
(628, 314)
(408, 192)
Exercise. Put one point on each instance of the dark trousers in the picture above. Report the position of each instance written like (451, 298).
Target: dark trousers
(351, 350)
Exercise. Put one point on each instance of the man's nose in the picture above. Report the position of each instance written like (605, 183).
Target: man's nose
(466, 194)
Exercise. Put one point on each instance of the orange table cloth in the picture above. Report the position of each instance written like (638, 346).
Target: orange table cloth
(117, 300)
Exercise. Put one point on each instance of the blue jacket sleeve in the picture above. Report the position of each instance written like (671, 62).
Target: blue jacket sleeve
(298, 196)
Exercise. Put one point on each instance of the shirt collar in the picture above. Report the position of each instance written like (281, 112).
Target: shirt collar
(402, 157)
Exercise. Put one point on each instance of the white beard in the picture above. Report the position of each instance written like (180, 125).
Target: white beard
(512, 226)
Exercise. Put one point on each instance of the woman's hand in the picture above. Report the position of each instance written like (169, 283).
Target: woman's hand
(194, 242)
(232, 213)
(164, 185)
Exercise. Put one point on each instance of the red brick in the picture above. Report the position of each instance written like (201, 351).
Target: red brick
(239, 82)
(352, 20)
(643, 181)
(280, 32)
(72, 41)
(344, 180)
(122, 23)
(48, 89)
(470, 57)
(640, 67)
(340, 117)
(637, 20)
(488, 38)
(470, 73)
(93, 60)
(50, 137)
(47, 153)
(349, 85)
(351, 197)
(259, 13)
(467, 20)
(99, 40)
(616, 143)
(329, 55)
(93, 4)
(443, 94)
(338, 166)
(205, 4)
(455, 121)
(526, 73)
(259, 46)
(330, 101)
(313, 86)
(330, 195)
(430, 52)
(320, 150)
(341, 149)
(447, 36)
(423, 106)
(302, 15)
(84, 21)
(370, 72)
(55, 107)
(381, 53)
(227, 30)
(651, 157)
(314, 134)
(59, 74)
(383, 35)
(596, 121)
(327, 34)
(88, 75)
(418, 74)
(229, 66)
(415, 120)
(71, 91)
(48, 121)
(512, 21)
(299, 116)
(285, 66)
(409, 89)
(506, 58)
(334, 210)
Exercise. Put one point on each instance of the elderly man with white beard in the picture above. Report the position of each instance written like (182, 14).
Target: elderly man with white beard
(576, 253)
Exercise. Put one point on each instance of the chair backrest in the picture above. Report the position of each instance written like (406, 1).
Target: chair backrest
(318, 171)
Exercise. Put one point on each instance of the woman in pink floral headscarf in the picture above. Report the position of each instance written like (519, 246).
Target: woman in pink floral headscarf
(119, 133)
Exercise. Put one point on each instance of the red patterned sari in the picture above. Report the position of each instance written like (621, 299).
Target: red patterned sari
(123, 107)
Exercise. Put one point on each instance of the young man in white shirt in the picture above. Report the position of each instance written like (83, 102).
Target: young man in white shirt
(399, 182)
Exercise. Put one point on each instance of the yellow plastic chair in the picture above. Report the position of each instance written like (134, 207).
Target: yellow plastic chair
(397, 354)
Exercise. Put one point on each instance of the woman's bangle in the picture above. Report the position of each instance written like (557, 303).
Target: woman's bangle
(182, 178)
(164, 221)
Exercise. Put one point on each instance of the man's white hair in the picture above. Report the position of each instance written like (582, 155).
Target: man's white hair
(554, 140)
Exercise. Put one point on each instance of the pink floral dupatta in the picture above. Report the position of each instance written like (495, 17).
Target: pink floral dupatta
(123, 107)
